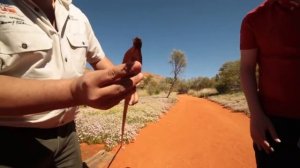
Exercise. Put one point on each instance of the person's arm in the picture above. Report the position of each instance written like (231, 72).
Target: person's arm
(99, 89)
(23, 96)
(104, 63)
(248, 80)
(259, 122)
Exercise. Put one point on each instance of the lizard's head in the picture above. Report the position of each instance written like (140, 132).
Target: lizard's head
(137, 43)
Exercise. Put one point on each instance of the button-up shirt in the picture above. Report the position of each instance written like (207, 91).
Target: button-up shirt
(32, 48)
(274, 30)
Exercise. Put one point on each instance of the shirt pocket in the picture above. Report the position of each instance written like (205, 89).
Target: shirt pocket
(23, 50)
(13, 42)
(77, 41)
(78, 51)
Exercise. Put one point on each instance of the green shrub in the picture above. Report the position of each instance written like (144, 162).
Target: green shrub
(228, 78)
(222, 87)
(153, 88)
(182, 88)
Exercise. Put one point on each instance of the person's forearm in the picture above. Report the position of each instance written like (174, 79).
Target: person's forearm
(248, 80)
(249, 85)
(24, 96)
(99, 89)
(105, 63)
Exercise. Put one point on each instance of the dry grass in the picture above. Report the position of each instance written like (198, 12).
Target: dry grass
(235, 101)
(203, 92)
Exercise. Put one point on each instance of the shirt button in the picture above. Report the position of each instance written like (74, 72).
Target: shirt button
(66, 59)
(24, 46)
(83, 43)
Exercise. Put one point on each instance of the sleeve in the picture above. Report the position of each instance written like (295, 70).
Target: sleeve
(94, 50)
(247, 36)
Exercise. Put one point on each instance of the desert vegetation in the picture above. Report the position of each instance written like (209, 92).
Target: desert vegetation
(99, 126)
(233, 101)
(224, 88)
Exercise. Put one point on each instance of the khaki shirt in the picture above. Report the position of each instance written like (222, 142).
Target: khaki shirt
(31, 48)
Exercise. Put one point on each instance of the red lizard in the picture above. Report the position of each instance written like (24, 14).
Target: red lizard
(133, 54)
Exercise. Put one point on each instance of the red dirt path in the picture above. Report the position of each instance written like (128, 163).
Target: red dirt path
(195, 133)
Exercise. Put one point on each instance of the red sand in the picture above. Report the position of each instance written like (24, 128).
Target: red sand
(88, 151)
(195, 133)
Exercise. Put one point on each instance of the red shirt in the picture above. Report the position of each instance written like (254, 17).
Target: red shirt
(274, 29)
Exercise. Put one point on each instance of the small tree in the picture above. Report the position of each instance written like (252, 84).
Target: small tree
(228, 78)
(178, 62)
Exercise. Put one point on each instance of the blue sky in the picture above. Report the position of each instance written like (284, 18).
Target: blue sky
(206, 31)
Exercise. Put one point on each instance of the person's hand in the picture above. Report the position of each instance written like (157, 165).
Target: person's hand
(259, 126)
(134, 98)
(104, 89)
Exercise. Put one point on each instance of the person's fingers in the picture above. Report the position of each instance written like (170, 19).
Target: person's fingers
(109, 76)
(265, 144)
(120, 89)
(261, 142)
(133, 99)
(121, 71)
(112, 101)
(273, 134)
(137, 79)
(136, 98)
(267, 147)
(128, 83)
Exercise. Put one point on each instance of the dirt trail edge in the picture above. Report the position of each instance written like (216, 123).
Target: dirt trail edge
(195, 133)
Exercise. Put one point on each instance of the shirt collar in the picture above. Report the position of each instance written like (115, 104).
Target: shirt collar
(66, 3)
(62, 10)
